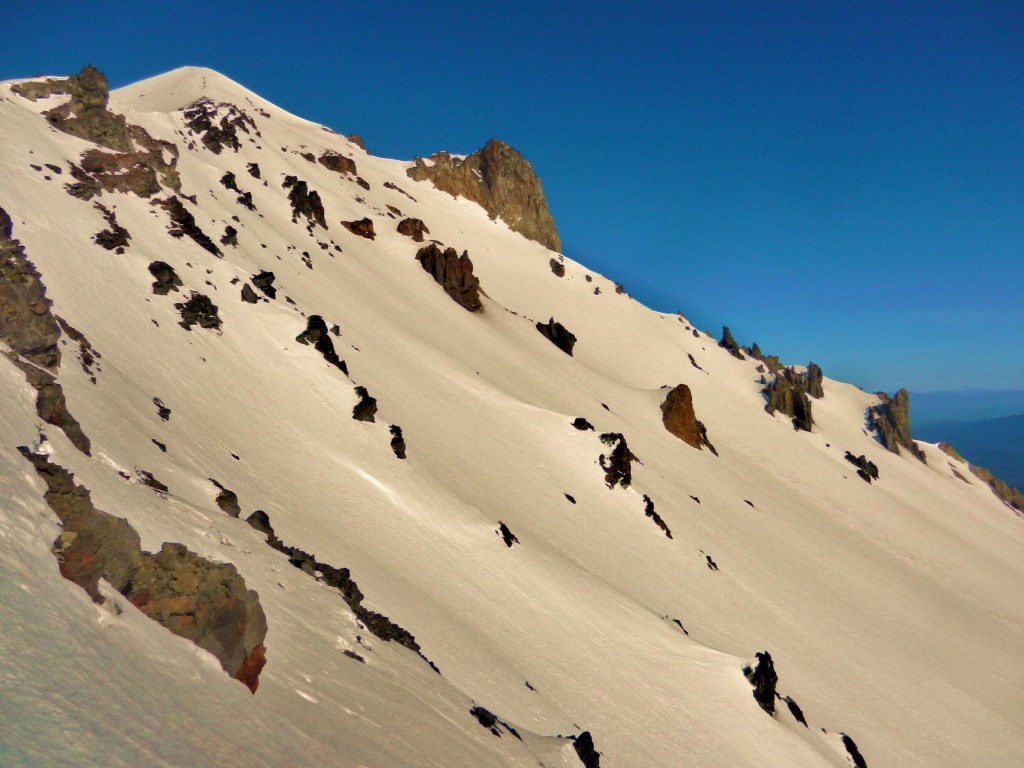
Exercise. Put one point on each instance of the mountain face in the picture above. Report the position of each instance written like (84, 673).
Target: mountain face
(305, 460)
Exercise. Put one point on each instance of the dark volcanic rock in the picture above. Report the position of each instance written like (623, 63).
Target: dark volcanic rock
(366, 408)
(29, 328)
(617, 465)
(413, 228)
(332, 161)
(865, 469)
(649, 511)
(582, 424)
(729, 343)
(317, 335)
(397, 441)
(454, 273)
(855, 755)
(230, 236)
(184, 223)
(795, 711)
(363, 228)
(204, 602)
(558, 335)
(507, 536)
(498, 179)
(588, 755)
(305, 202)
(198, 310)
(557, 268)
(265, 282)
(764, 678)
(891, 420)
(680, 419)
(165, 279)
(249, 295)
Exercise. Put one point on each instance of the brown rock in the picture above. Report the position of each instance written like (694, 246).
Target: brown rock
(501, 181)
(413, 228)
(729, 343)
(332, 161)
(363, 228)
(454, 273)
(680, 419)
(891, 420)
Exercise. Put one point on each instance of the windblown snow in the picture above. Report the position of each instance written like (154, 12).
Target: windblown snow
(891, 609)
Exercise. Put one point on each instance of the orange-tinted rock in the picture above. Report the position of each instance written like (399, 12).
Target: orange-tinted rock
(680, 418)
(249, 673)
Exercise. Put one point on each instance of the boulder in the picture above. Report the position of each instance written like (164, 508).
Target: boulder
(763, 677)
(363, 228)
(332, 161)
(165, 279)
(558, 335)
(680, 419)
(413, 228)
(454, 274)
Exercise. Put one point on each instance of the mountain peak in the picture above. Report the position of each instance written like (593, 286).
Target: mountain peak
(181, 87)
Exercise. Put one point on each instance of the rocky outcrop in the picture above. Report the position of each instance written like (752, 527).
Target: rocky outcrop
(305, 202)
(584, 746)
(853, 752)
(866, 469)
(413, 228)
(366, 408)
(763, 677)
(338, 578)
(680, 419)
(891, 421)
(317, 335)
(115, 237)
(142, 173)
(198, 310)
(789, 393)
(29, 327)
(557, 268)
(202, 601)
(165, 279)
(558, 335)
(362, 228)
(454, 274)
(249, 295)
(265, 282)
(184, 223)
(499, 180)
(617, 465)
(332, 161)
(217, 125)
(649, 511)
(729, 343)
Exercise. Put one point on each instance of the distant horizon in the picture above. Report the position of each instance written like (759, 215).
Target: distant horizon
(837, 183)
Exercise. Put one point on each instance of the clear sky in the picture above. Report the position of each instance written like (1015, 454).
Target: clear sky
(838, 181)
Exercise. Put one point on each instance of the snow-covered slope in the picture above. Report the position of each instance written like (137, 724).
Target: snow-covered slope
(892, 609)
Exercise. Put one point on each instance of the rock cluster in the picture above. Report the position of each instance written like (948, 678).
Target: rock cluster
(866, 469)
(198, 310)
(501, 181)
(265, 282)
(789, 393)
(891, 420)
(558, 335)
(453, 273)
(141, 173)
(680, 418)
(317, 335)
(305, 202)
(30, 329)
(115, 237)
(204, 602)
(201, 118)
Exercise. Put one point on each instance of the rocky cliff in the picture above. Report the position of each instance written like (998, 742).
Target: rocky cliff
(501, 181)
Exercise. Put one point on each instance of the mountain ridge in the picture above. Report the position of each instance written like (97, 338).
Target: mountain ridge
(569, 629)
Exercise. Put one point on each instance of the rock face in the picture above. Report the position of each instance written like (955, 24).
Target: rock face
(29, 328)
(789, 393)
(558, 335)
(501, 181)
(891, 420)
(454, 273)
(729, 343)
(413, 228)
(764, 678)
(680, 419)
(204, 602)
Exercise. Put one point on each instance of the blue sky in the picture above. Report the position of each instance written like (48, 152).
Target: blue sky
(842, 182)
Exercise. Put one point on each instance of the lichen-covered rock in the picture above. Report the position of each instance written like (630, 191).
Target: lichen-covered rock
(199, 310)
(305, 202)
(204, 602)
(618, 465)
(891, 420)
(763, 677)
(362, 228)
(454, 274)
(332, 161)
(31, 331)
(413, 228)
(165, 279)
(501, 181)
(558, 335)
(729, 343)
(680, 418)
